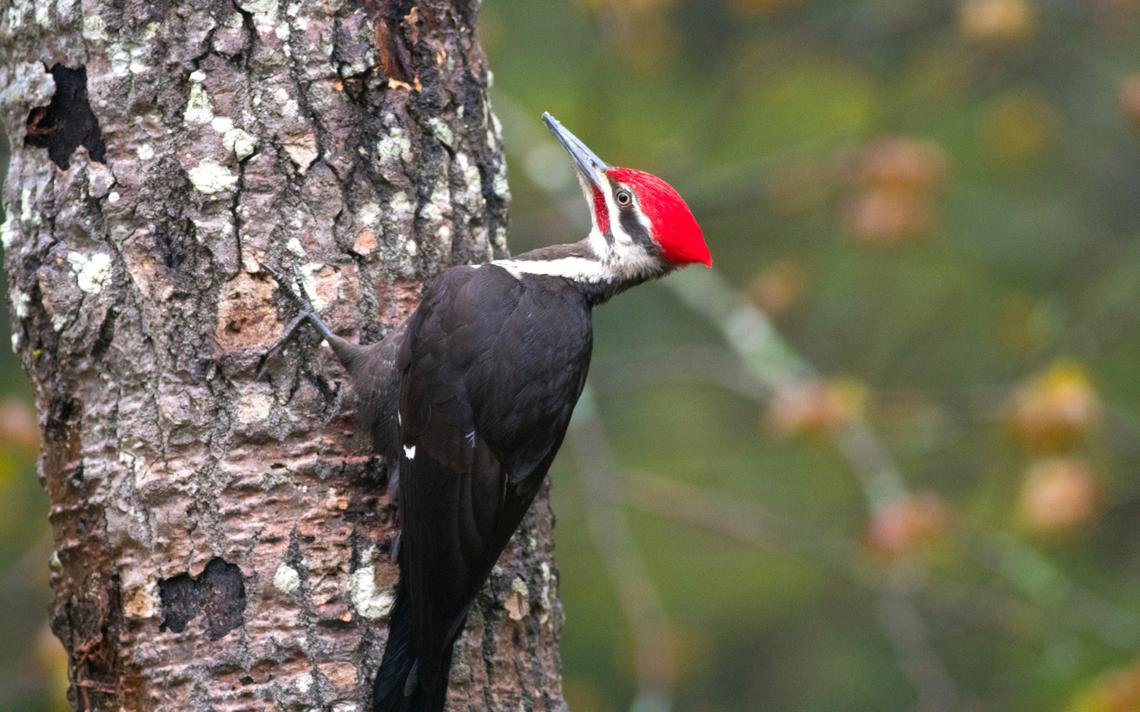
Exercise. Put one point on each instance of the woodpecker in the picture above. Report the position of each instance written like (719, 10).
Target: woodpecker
(471, 397)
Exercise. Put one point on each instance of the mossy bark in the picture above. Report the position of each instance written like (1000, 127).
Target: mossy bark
(223, 542)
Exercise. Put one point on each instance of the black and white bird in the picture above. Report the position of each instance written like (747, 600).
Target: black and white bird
(471, 398)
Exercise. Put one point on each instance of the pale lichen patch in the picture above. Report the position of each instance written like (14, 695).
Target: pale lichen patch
(544, 595)
(211, 177)
(304, 681)
(289, 106)
(93, 28)
(145, 152)
(439, 205)
(8, 231)
(294, 245)
(321, 283)
(99, 180)
(394, 146)
(264, 13)
(442, 132)
(255, 405)
(241, 143)
(469, 174)
(127, 59)
(287, 580)
(91, 271)
(369, 214)
(400, 208)
(367, 601)
(518, 600)
(499, 184)
(28, 211)
(199, 109)
(20, 303)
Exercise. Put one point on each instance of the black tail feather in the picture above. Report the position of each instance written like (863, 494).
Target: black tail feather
(399, 659)
(398, 686)
(431, 697)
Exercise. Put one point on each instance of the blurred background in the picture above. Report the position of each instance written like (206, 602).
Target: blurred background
(886, 456)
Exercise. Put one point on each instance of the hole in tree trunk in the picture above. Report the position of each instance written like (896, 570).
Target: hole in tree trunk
(67, 122)
(218, 593)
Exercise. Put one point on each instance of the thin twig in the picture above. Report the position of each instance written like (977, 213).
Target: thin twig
(649, 624)
(908, 633)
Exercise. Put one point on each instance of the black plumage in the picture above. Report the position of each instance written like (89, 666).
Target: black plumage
(490, 369)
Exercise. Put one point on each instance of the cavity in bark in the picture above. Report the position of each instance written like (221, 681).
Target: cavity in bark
(67, 122)
(218, 592)
(60, 417)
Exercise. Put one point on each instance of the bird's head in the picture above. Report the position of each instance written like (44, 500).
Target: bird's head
(641, 223)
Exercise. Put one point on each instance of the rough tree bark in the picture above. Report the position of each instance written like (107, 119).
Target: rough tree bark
(223, 542)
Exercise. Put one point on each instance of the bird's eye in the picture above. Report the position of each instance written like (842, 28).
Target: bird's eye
(624, 198)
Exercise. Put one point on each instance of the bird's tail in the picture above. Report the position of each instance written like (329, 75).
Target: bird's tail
(399, 659)
(397, 687)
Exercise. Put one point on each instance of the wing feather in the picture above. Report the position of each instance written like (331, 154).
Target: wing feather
(490, 371)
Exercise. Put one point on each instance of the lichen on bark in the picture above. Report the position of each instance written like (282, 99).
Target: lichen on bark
(223, 542)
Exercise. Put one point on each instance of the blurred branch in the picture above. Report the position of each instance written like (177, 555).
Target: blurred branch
(677, 365)
(908, 633)
(740, 521)
(747, 523)
(1037, 578)
(775, 364)
(648, 621)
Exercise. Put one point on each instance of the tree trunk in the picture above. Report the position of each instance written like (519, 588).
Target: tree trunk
(224, 542)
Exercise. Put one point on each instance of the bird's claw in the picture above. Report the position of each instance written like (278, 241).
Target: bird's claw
(286, 335)
(299, 295)
(307, 312)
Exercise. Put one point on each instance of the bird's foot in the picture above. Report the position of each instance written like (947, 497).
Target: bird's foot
(307, 313)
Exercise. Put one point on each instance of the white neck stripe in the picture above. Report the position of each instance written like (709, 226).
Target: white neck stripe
(580, 269)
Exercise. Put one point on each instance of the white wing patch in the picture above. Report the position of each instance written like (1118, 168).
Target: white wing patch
(410, 452)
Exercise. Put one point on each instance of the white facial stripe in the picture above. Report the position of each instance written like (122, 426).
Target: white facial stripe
(616, 229)
(641, 216)
(598, 242)
(624, 256)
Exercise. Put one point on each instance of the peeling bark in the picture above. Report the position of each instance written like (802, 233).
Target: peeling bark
(223, 543)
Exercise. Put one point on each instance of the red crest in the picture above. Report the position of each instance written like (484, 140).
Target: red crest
(674, 227)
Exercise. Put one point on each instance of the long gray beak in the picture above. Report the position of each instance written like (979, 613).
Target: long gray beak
(591, 167)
